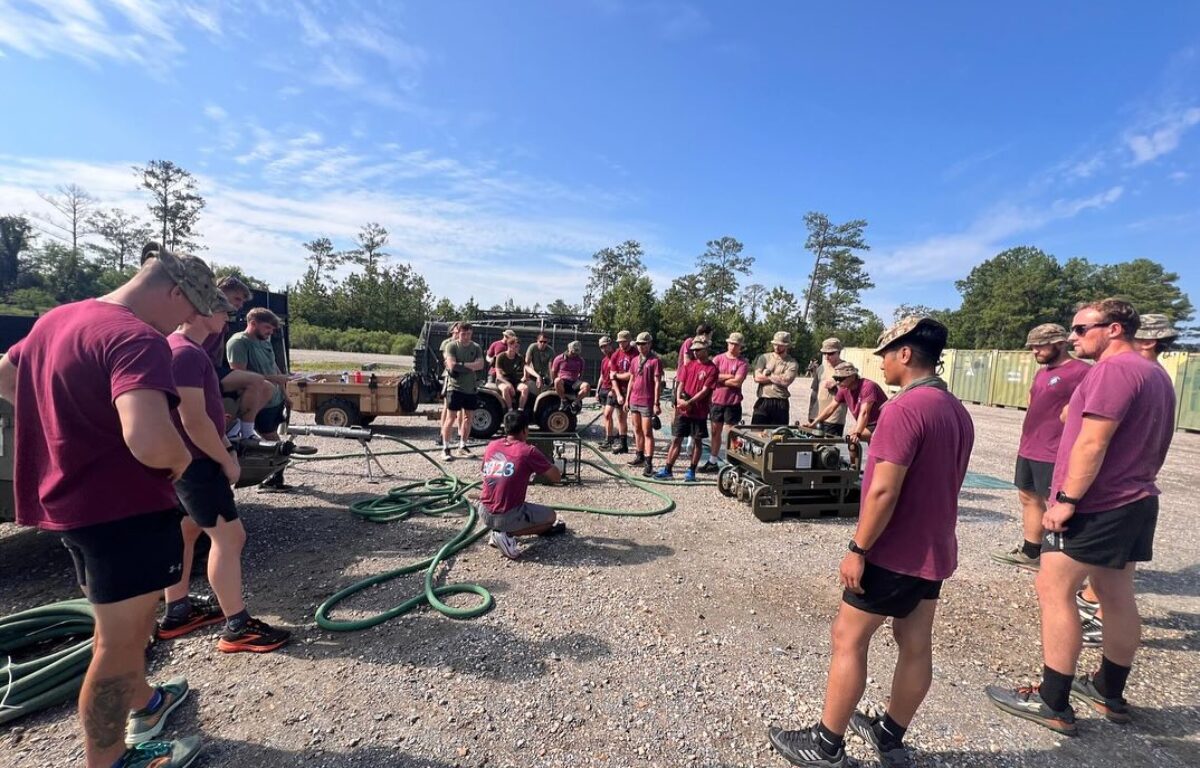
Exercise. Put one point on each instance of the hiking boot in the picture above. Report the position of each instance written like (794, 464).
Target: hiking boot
(804, 748)
(1026, 702)
(446, 455)
(256, 637)
(664, 474)
(865, 726)
(1017, 557)
(638, 461)
(1114, 709)
(507, 544)
(620, 448)
(1087, 609)
(204, 611)
(689, 476)
(152, 754)
(144, 724)
(709, 467)
(558, 528)
(1093, 632)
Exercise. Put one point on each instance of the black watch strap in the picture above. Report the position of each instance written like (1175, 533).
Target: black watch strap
(1063, 498)
(853, 547)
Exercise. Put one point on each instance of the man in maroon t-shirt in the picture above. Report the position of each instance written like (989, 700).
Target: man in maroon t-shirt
(567, 372)
(619, 376)
(604, 394)
(251, 390)
(726, 409)
(863, 398)
(95, 456)
(902, 550)
(1052, 388)
(643, 402)
(508, 464)
(1101, 520)
(693, 395)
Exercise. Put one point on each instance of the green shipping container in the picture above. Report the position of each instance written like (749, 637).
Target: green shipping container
(1187, 388)
(1012, 375)
(971, 379)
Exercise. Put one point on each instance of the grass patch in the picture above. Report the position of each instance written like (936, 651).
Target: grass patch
(337, 366)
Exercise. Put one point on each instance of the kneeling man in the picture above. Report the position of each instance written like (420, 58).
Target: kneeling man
(508, 464)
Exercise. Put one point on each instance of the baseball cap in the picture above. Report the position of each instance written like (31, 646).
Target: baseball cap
(509, 333)
(736, 338)
(1046, 333)
(1155, 327)
(603, 340)
(831, 345)
(190, 273)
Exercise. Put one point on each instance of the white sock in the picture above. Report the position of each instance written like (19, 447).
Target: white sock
(247, 428)
(234, 431)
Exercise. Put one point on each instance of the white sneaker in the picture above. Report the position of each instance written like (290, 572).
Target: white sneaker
(507, 545)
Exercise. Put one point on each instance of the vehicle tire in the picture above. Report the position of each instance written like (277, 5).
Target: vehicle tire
(559, 422)
(338, 412)
(727, 481)
(486, 419)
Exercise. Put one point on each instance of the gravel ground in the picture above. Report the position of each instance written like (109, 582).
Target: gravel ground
(669, 641)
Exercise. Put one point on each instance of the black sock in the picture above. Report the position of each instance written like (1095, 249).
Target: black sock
(1031, 549)
(829, 742)
(693, 466)
(1110, 680)
(237, 622)
(889, 732)
(1055, 689)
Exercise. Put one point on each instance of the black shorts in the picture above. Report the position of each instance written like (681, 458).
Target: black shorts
(571, 387)
(268, 420)
(1110, 539)
(887, 593)
(726, 414)
(223, 370)
(833, 430)
(126, 558)
(1034, 476)
(770, 411)
(205, 493)
(461, 401)
(686, 426)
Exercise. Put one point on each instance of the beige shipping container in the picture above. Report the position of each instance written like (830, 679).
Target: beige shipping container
(1012, 376)
(1188, 391)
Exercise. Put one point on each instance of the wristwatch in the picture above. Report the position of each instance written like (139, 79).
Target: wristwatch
(853, 547)
(1063, 498)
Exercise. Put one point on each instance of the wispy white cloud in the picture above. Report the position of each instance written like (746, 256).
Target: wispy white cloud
(1162, 136)
(1178, 176)
(960, 167)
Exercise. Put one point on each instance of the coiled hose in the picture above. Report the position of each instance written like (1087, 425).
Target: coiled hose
(56, 675)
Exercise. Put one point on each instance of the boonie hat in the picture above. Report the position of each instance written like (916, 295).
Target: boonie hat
(1046, 333)
(736, 338)
(831, 345)
(644, 337)
(603, 340)
(782, 337)
(574, 346)
(700, 342)
(624, 336)
(191, 274)
(904, 328)
(1155, 327)
(845, 368)
(223, 304)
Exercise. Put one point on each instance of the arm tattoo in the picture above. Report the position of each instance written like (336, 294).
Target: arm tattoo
(107, 708)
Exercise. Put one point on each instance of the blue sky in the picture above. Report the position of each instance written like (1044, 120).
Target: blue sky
(503, 143)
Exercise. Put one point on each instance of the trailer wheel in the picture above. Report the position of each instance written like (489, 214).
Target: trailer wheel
(558, 422)
(727, 481)
(486, 419)
(338, 412)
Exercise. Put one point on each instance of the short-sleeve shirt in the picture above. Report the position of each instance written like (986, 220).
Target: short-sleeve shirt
(776, 365)
(823, 396)
(865, 391)
(568, 367)
(929, 431)
(258, 356)
(1051, 390)
(730, 366)
(72, 468)
(192, 367)
(510, 367)
(507, 469)
(647, 371)
(693, 378)
(496, 347)
(214, 347)
(1138, 393)
(606, 364)
(466, 382)
(684, 349)
(539, 358)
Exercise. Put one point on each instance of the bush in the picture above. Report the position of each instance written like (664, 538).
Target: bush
(305, 336)
(404, 344)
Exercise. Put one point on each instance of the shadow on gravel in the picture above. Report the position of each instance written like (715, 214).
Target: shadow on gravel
(1186, 623)
(973, 507)
(1185, 582)
(222, 752)
(601, 551)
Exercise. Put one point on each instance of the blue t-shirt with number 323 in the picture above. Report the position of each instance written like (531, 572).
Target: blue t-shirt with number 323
(508, 465)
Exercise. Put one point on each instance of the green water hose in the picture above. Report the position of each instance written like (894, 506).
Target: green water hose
(57, 638)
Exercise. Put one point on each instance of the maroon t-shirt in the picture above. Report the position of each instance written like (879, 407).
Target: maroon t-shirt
(1051, 390)
(1138, 393)
(645, 373)
(72, 467)
(865, 391)
(567, 367)
(929, 431)
(606, 366)
(496, 347)
(692, 378)
(734, 366)
(507, 469)
(214, 347)
(192, 367)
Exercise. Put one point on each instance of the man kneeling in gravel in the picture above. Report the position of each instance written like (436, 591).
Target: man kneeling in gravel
(508, 464)
(903, 548)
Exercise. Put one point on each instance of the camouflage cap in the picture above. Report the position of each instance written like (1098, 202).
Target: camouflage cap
(604, 341)
(644, 337)
(736, 338)
(1046, 333)
(575, 347)
(904, 328)
(700, 342)
(1155, 327)
(223, 304)
(624, 336)
(191, 274)
(845, 368)
(782, 337)
(831, 345)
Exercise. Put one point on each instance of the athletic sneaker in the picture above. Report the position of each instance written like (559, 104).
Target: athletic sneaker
(144, 724)
(1026, 702)
(647, 470)
(464, 451)
(1087, 609)
(709, 467)
(256, 637)
(864, 725)
(507, 545)
(638, 461)
(689, 476)
(1114, 709)
(664, 474)
(1093, 632)
(205, 611)
(1017, 557)
(162, 754)
(559, 527)
(446, 456)
(803, 748)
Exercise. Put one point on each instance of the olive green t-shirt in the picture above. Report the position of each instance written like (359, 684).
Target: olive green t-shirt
(466, 382)
(774, 365)
(258, 356)
(540, 358)
(510, 368)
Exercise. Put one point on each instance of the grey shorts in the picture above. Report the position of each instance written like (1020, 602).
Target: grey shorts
(525, 516)
(646, 411)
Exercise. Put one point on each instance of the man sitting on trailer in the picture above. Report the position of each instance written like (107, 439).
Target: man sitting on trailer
(251, 350)
(507, 368)
(567, 372)
(537, 363)
(508, 464)
(495, 349)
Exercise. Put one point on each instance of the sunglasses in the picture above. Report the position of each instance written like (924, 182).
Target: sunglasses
(541, 341)
(643, 343)
(840, 378)
(1080, 330)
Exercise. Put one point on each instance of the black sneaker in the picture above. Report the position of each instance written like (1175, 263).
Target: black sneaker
(894, 757)
(1026, 702)
(1093, 632)
(618, 449)
(559, 528)
(803, 748)
(204, 611)
(638, 461)
(446, 455)
(709, 467)
(1115, 710)
(256, 637)
(647, 470)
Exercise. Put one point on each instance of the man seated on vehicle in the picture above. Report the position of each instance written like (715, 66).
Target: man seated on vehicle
(508, 464)
(251, 350)
(495, 349)
(567, 372)
(537, 363)
(251, 391)
(507, 370)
